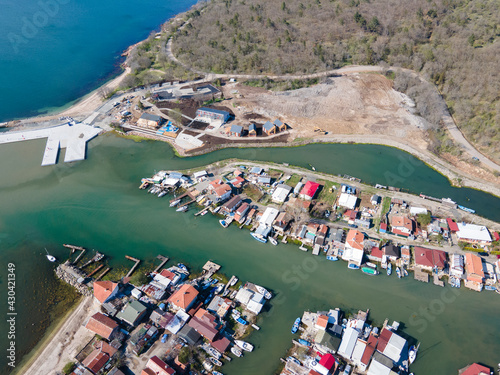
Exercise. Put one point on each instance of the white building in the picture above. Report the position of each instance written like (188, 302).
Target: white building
(281, 193)
(348, 342)
(269, 216)
(348, 200)
(473, 233)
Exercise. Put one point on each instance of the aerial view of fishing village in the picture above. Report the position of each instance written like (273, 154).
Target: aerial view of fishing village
(250, 187)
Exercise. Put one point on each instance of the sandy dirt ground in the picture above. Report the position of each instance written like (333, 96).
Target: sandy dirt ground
(348, 108)
(69, 339)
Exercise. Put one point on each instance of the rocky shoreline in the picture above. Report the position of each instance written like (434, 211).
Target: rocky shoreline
(74, 277)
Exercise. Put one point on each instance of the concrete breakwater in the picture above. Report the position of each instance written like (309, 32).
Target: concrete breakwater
(74, 277)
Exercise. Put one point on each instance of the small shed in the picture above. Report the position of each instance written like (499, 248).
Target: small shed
(236, 130)
(281, 126)
(252, 130)
(269, 128)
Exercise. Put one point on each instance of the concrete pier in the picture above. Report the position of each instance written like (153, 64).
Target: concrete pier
(73, 137)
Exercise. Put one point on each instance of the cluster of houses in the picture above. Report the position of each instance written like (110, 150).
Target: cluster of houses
(202, 312)
(337, 345)
(331, 343)
(269, 128)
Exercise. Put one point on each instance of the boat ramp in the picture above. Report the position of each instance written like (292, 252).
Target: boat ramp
(73, 137)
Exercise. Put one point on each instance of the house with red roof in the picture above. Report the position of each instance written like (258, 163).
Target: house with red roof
(105, 291)
(452, 225)
(321, 322)
(205, 324)
(102, 325)
(430, 258)
(156, 366)
(221, 191)
(99, 357)
(184, 298)
(328, 362)
(402, 225)
(475, 369)
(376, 254)
(474, 270)
(309, 190)
(241, 211)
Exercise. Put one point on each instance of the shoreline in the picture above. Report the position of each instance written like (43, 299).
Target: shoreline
(448, 171)
(48, 340)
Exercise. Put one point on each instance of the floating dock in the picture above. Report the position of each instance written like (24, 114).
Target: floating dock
(73, 137)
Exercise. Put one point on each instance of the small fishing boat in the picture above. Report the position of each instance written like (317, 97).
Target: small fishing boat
(369, 270)
(333, 258)
(242, 321)
(412, 353)
(215, 361)
(489, 287)
(264, 292)
(353, 266)
(370, 264)
(293, 359)
(258, 238)
(398, 271)
(244, 345)
(234, 281)
(224, 223)
(389, 269)
(219, 288)
(237, 352)
(162, 193)
(225, 293)
(50, 257)
(182, 209)
(295, 326)
(256, 327)
(405, 272)
(235, 314)
(182, 267)
(217, 209)
(248, 221)
(273, 241)
(304, 342)
(175, 203)
(217, 373)
(204, 213)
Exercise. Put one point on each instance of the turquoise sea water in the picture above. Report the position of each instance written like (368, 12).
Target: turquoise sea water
(55, 51)
(96, 203)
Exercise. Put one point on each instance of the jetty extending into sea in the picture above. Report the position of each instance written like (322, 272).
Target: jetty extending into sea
(72, 136)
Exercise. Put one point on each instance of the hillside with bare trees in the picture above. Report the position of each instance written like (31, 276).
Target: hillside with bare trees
(452, 43)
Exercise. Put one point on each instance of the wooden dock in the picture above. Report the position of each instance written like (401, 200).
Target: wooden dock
(102, 274)
(421, 275)
(79, 256)
(137, 261)
(73, 247)
(210, 268)
(200, 212)
(163, 261)
(95, 271)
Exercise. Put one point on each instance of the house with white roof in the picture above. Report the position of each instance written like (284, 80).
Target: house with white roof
(473, 233)
(348, 200)
(348, 342)
(269, 216)
(281, 193)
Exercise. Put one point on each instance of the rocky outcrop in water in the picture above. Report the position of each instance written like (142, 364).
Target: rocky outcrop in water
(74, 277)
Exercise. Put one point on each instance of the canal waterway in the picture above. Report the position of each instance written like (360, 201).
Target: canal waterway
(97, 204)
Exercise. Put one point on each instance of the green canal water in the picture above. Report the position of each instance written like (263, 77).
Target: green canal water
(97, 204)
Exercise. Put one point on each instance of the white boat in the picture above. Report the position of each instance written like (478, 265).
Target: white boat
(244, 345)
(162, 193)
(273, 241)
(217, 209)
(219, 288)
(389, 269)
(182, 209)
(175, 203)
(234, 281)
(237, 352)
(370, 264)
(215, 361)
(264, 292)
(214, 353)
(217, 373)
(258, 238)
(235, 314)
(50, 257)
(412, 354)
(256, 327)
(224, 223)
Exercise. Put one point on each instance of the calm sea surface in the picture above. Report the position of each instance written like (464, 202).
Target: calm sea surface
(97, 204)
(55, 51)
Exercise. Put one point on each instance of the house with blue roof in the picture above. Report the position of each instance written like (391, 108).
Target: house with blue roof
(269, 128)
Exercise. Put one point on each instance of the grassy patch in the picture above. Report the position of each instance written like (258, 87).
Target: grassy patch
(274, 173)
(325, 195)
(252, 192)
(294, 180)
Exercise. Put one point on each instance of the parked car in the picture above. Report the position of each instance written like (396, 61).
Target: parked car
(164, 338)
